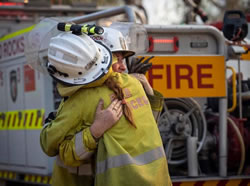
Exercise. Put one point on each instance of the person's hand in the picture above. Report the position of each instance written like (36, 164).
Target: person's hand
(135, 65)
(106, 118)
(142, 78)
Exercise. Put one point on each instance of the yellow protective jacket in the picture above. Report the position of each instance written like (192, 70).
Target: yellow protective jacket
(76, 115)
(130, 157)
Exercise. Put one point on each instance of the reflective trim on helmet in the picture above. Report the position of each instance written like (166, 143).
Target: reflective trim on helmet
(126, 159)
(72, 58)
(102, 78)
(60, 51)
(91, 63)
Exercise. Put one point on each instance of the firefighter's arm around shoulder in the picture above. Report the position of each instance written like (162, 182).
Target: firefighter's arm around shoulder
(61, 127)
(75, 145)
(78, 149)
(156, 102)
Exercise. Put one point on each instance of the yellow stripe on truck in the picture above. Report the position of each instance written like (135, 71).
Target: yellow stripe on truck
(2, 118)
(35, 119)
(216, 182)
(209, 183)
(22, 120)
(14, 120)
(233, 182)
(8, 175)
(17, 33)
(188, 184)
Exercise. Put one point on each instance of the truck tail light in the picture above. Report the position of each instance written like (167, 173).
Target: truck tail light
(162, 44)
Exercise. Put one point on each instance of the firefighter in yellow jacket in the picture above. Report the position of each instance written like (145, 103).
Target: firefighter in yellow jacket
(129, 153)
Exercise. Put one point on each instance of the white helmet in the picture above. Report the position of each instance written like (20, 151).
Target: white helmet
(115, 41)
(77, 60)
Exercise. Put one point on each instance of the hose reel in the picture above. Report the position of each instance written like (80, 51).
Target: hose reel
(181, 118)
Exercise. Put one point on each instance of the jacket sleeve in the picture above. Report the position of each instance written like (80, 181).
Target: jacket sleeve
(61, 128)
(78, 149)
(67, 136)
(156, 102)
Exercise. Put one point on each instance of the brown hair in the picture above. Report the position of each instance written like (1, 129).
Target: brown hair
(113, 85)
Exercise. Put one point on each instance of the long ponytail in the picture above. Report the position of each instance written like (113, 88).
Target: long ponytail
(113, 85)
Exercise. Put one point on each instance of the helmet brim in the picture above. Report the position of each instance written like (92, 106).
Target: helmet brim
(125, 53)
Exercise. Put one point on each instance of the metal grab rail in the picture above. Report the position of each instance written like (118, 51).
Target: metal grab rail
(234, 90)
(106, 13)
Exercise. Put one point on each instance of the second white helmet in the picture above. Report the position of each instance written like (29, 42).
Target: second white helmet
(77, 60)
(115, 41)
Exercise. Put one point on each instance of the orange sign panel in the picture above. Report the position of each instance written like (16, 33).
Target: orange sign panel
(29, 79)
(245, 56)
(188, 76)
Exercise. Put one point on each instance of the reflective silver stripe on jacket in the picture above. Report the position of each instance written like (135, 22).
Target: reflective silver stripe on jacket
(45, 125)
(80, 149)
(84, 169)
(126, 159)
(156, 115)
